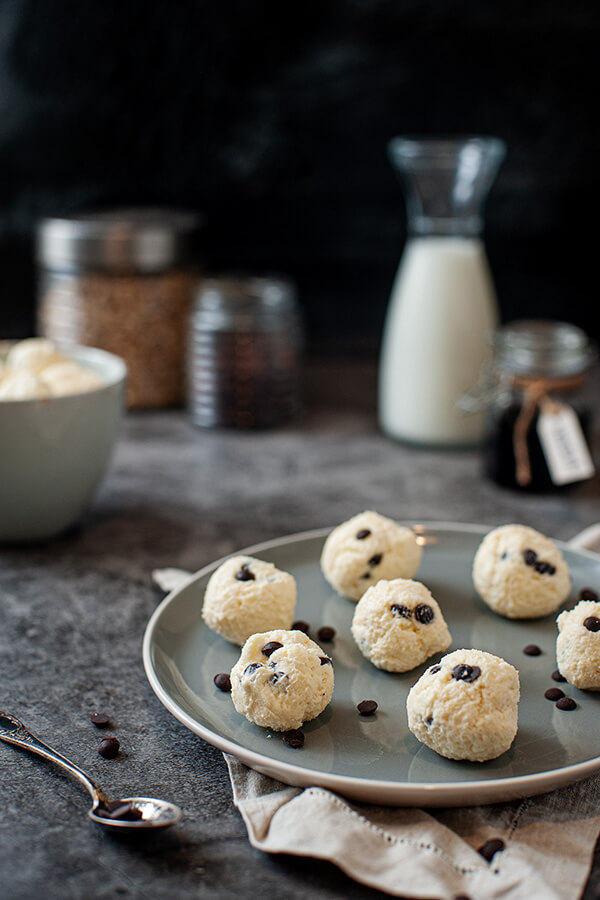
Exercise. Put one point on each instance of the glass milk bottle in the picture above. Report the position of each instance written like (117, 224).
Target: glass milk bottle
(443, 306)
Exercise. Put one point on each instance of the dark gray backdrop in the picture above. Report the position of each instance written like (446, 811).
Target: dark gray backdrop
(272, 118)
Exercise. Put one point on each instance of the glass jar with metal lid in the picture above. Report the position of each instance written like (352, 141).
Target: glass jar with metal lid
(123, 281)
(244, 353)
(539, 401)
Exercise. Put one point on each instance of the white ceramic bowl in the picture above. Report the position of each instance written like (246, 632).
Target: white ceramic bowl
(54, 451)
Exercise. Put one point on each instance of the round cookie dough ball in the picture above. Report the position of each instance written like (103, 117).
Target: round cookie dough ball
(398, 625)
(578, 645)
(22, 385)
(246, 595)
(69, 378)
(520, 573)
(466, 706)
(365, 549)
(281, 680)
(33, 354)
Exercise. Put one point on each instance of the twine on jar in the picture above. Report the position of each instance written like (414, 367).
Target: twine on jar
(536, 393)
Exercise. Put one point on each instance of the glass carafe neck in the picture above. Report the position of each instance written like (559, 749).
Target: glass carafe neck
(446, 181)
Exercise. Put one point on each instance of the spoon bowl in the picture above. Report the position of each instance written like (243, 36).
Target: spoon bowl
(154, 814)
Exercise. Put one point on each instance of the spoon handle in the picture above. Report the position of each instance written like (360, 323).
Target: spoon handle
(14, 732)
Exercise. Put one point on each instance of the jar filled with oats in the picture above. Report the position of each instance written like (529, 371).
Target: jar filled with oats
(123, 281)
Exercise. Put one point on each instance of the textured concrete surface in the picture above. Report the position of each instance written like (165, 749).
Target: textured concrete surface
(73, 612)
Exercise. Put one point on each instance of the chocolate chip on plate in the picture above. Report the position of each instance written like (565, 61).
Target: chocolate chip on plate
(554, 694)
(301, 626)
(402, 612)
(592, 623)
(366, 707)
(100, 720)
(530, 557)
(362, 534)
(222, 681)
(424, 614)
(491, 847)
(245, 574)
(588, 594)
(271, 647)
(326, 633)
(109, 747)
(566, 703)
(556, 676)
(532, 650)
(464, 672)
(293, 738)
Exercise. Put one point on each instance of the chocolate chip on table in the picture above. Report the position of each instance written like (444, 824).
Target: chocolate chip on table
(245, 574)
(530, 557)
(532, 650)
(301, 626)
(424, 614)
(100, 720)
(556, 676)
(271, 647)
(566, 703)
(588, 594)
(362, 534)
(325, 661)
(223, 681)
(464, 672)
(400, 611)
(366, 707)
(293, 738)
(592, 623)
(326, 633)
(109, 747)
(491, 847)
(376, 559)
(554, 694)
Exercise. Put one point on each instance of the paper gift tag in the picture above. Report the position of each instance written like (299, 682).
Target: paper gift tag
(563, 444)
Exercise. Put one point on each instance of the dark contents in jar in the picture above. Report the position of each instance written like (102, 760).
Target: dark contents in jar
(499, 454)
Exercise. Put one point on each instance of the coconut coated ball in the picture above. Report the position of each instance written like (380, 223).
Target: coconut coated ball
(281, 680)
(246, 595)
(366, 549)
(578, 645)
(520, 573)
(466, 706)
(397, 625)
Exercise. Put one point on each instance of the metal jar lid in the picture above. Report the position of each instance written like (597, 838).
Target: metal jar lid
(543, 349)
(142, 240)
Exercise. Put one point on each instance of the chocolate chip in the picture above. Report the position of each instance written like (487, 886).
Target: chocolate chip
(462, 897)
(543, 568)
(434, 670)
(532, 650)
(463, 672)
(504, 555)
(424, 614)
(530, 557)
(366, 575)
(301, 626)
(376, 559)
(556, 676)
(271, 647)
(588, 594)
(245, 574)
(362, 534)
(109, 747)
(491, 847)
(566, 703)
(276, 677)
(293, 738)
(592, 623)
(325, 660)
(554, 694)
(100, 720)
(223, 681)
(252, 667)
(429, 720)
(366, 707)
(402, 612)
(326, 633)
(551, 569)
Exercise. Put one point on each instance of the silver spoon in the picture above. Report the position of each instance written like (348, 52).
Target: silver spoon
(153, 813)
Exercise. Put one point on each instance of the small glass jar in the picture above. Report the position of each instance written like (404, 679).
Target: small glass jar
(244, 353)
(123, 281)
(539, 368)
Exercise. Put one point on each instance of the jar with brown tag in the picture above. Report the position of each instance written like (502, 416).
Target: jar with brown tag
(539, 406)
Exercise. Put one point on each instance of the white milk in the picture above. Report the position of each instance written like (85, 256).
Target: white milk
(441, 313)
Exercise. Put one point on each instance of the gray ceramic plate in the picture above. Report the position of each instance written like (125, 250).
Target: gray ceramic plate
(377, 759)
